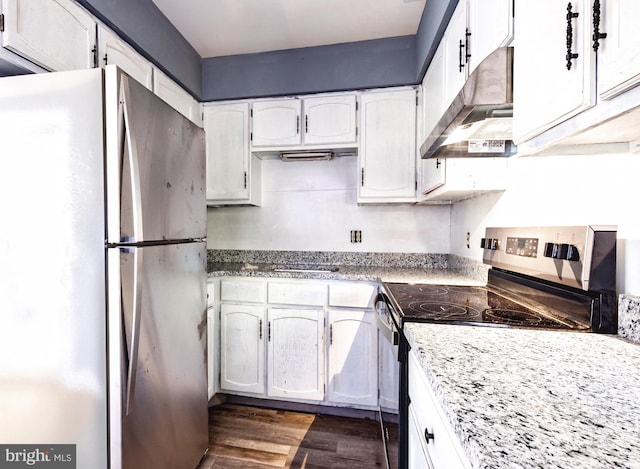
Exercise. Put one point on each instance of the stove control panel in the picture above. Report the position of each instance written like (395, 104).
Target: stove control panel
(525, 247)
(570, 255)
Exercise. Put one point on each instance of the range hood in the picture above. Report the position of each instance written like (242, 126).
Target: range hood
(479, 120)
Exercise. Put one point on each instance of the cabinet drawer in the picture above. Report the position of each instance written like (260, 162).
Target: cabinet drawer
(299, 293)
(444, 449)
(351, 295)
(251, 291)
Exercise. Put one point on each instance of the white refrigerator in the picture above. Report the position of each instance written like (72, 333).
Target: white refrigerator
(102, 271)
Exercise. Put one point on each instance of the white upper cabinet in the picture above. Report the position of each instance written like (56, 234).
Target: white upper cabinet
(548, 87)
(276, 123)
(171, 93)
(476, 29)
(455, 179)
(330, 120)
(113, 50)
(387, 156)
(490, 27)
(303, 123)
(233, 176)
(455, 62)
(56, 34)
(619, 51)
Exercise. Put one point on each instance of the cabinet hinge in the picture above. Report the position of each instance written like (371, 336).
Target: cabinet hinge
(1, 22)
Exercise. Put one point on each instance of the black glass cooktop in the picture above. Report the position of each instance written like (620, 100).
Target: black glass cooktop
(467, 305)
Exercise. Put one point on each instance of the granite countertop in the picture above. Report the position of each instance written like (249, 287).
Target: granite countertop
(345, 272)
(535, 399)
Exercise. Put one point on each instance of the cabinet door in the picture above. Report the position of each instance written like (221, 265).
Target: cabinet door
(418, 457)
(455, 58)
(227, 141)
(296, 354)
(56, 34)
(545, 91)
(276, 123)
(619, 52)
(490, 26)
(433, 174)
(353, 374)
(113, 50)
(176, 97)
(242, 348)
(388, 147)
(433, 100)
(330, 120)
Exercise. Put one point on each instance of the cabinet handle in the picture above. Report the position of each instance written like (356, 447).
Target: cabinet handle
(306, 124)
(437, 163)
(269, 331)
(467, 55)
(94, 51)
(570, 55)
(460, 64)
(362, 178)
(597, 35)
(105, 59)
(331, 334)
(297, 125)
(260, 327)
(428, 435)
(245, 179)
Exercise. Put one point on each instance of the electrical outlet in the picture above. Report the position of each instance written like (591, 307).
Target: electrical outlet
(356, 236)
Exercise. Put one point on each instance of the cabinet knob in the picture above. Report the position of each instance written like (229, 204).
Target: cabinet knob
(428, 435)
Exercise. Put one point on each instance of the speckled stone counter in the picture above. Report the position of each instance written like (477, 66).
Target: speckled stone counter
(629, 317)
(386, 267)
(535, 399)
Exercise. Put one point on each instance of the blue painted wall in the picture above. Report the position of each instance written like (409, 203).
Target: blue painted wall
(367, 64)
(144, 26)
(356, 65)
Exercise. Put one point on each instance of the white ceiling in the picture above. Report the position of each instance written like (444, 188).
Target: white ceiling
(228, 27)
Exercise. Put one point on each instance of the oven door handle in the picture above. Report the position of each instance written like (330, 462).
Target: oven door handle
(388, 330)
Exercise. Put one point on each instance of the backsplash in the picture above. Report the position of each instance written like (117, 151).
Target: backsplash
(629, 317)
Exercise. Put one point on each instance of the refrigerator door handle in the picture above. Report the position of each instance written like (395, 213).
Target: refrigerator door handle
(134, 340)
(131, 149)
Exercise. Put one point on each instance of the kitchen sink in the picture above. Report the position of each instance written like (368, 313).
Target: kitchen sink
(314, 269)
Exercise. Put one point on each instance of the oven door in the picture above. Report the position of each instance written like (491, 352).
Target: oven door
(389, 353)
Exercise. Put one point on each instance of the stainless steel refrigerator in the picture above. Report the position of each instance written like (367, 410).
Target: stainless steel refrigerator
(102, 271)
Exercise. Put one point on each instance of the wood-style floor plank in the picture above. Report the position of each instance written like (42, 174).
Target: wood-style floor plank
(249, 437)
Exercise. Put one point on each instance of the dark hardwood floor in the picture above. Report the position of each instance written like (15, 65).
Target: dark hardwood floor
(251, 437)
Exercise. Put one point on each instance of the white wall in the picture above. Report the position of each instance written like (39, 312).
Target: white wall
(311, 206)
(562, 190)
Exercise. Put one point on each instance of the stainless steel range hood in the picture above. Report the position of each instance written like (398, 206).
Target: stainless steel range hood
(479, 120)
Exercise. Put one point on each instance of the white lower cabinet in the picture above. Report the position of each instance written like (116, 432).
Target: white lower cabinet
(302, 340)
(353, 374)
(242, 348)
(432, 441)
(295, 353)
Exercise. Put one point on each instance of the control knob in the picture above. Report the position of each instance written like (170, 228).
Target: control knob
(562, 251)
(489, 243)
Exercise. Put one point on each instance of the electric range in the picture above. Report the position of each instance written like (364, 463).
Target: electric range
(546, 278)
